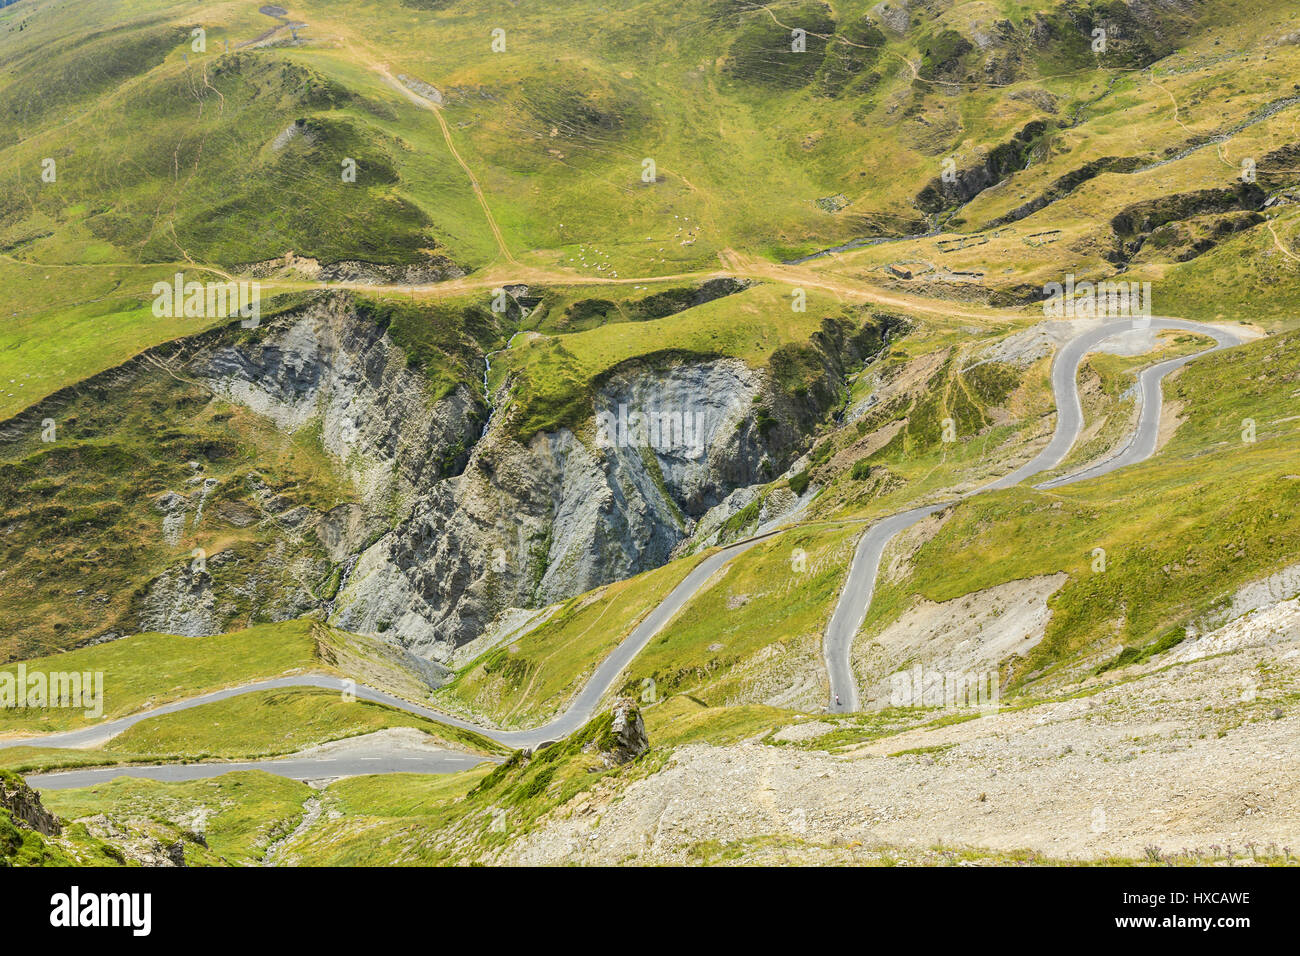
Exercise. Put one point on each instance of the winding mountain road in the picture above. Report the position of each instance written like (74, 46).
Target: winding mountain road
(859, 586)
(850, 611)
(572, 718)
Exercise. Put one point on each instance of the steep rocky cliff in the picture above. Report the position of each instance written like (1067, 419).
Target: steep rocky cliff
(569, 510)
(327, 370)
(532, 523)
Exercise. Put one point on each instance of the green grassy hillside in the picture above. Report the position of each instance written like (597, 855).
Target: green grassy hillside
(863, 202)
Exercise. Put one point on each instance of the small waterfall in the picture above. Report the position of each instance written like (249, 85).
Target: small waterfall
(346, 574)
(487, 392)
(487, 388)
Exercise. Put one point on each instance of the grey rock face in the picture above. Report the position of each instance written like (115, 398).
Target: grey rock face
(24, 805)
(712, 529)
(627, 738)
(893, 15)
(419, 86)
(629, 731)
(327, 366)
(196, 600)
(431, 270)
(528, 525)
(181, 601)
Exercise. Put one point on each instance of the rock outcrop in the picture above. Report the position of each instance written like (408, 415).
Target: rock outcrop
(432, 268)
(24, 805)
(625, 739)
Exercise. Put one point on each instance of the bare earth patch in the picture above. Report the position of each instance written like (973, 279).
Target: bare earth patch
(1197, 756)
(967, 635)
